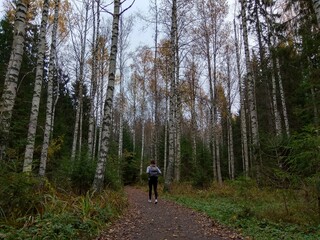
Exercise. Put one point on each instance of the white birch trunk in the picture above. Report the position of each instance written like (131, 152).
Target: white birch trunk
(165, 158)
(229, 123)
(271, 41)
(11, 79)
(78, 120)
(178, 114)
(33, 122)
(121, 78)
(244, 137)
(172, 120)
(251, 90)
(98, 182)
(283, 99)
(48, 126)
(143, 106)
(155, 69)
(219, 175)
(95, 41)
(193, 114)
(142, 146)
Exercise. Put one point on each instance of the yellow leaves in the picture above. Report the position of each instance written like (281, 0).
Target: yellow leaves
(55, 146)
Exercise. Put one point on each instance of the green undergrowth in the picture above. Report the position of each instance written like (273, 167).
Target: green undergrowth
(254, 212)
(46, 212)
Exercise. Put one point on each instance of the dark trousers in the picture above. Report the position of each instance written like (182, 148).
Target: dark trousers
(153, 182)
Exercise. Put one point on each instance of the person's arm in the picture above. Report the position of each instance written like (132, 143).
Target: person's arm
(159, 170)
(148, 169)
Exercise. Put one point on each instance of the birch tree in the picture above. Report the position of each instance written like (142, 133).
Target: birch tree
(49, 106)
(80, 79)
(94, 74)
(107, 120)
(250, 81)
(28, 157)
(11, 79)
(172, 120)
(243, 125)
(126, 26)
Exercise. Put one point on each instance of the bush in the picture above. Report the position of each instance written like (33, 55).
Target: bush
(19, 196)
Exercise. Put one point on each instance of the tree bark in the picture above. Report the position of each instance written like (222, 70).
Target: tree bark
(244, 137)
(172, 119)
(250, 80)
(11, 79)
(52, 69)
(95, 46)
(77, 128)
(283, 99)
(98, 182)
(33, 122)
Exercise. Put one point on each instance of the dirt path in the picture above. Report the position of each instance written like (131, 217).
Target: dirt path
(163, 221)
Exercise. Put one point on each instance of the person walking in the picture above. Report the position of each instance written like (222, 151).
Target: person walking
(153, 172)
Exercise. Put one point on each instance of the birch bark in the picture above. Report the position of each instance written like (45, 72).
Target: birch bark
(33, 122)
(11, 79)
(244, 137)
(229, 121)
(172, 120)
(77, 128)
(283, 99)
(49, 106)
(107, 121)
(250, 80)
(95, 45)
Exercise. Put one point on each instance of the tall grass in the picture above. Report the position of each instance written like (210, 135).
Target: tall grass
(30, 212)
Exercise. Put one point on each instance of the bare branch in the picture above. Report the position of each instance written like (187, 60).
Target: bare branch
(128, 7)
(104, 8)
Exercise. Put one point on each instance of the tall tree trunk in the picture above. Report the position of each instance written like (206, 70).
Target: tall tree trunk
(156, 94)
(121, 78)
(172, 120)
(283, 99)
(52, 69)
(271, 43)
(134, 113)
(33, 122)
(193, 112)
(107, 121)
(178, 113)
(95, 46)
(251, 85)
(211, 92)
(143, 108)
(55, 97)
(142, 146)
(78, 125)
(11, 80)
(166, 129)
(244, 138)
(218, 141)
(229, 122)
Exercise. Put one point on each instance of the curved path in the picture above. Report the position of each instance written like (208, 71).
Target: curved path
(163, 221)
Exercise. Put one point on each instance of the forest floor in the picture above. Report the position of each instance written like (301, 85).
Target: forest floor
(163, 221)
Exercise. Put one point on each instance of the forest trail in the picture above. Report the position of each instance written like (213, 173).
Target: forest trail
(163, 221)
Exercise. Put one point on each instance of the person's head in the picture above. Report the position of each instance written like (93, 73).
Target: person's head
(153, 162)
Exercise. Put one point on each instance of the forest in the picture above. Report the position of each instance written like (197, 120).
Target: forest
(224, 96)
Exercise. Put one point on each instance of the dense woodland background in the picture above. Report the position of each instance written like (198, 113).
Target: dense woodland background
(222, 94)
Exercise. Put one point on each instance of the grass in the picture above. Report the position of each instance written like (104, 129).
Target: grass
(254, 212)
(63, 215)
